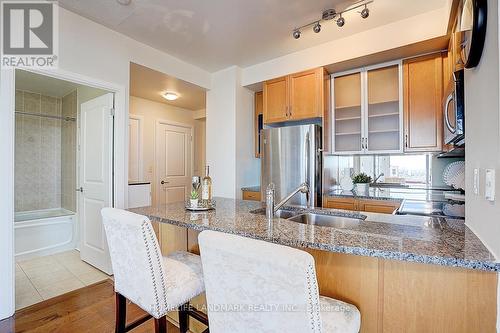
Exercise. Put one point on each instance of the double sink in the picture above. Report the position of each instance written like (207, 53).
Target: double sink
(317, 217)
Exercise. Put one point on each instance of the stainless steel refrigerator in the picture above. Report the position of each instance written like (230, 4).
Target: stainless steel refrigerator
(291, 156)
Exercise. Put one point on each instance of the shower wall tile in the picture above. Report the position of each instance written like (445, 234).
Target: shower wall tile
(50, 106)
(32, 102)
(19, 100)
(37, 153)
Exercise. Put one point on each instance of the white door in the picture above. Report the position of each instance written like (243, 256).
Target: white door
(173, 163)
(135, 147)
(96, 140)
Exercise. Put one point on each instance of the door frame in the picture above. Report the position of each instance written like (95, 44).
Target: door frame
(141, 142)
(7, 149)
(159, 122)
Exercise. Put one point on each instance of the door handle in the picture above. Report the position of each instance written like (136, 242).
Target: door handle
(80, 189)
(164, 182)
(450, 98)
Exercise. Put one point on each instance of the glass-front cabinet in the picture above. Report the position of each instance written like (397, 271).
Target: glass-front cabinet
(347, 114)
(367, 110)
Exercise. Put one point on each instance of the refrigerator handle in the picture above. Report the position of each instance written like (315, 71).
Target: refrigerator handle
(307, 158)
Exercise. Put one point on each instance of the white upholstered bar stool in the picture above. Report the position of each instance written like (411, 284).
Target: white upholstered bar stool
(142, 275)
(256, 286)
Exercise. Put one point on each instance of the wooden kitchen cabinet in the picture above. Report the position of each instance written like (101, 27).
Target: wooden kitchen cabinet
(363, 205)
(423, 94)
(275, 100)
(367, 110)
(378, 206)
(295, 97)
(306, 94)
(340, 203)
(250, 195)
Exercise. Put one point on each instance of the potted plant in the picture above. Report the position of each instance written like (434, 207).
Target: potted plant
(194, 198)
(361, 182)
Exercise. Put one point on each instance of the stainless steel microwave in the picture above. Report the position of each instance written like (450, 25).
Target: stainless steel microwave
(454, 110)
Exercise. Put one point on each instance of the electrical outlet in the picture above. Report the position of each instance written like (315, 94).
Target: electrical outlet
(489, 185)
(475, 186)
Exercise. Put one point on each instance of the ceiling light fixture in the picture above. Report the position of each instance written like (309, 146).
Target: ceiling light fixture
(170, 96)
(332, 14)
(124, 2)
(341, 21)
(317, 27)
(365, 12)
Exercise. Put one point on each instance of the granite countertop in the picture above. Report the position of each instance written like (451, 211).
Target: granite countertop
(392, 193)
(440, 241)
(255, 188)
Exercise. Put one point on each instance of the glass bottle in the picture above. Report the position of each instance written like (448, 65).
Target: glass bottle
(206, 186)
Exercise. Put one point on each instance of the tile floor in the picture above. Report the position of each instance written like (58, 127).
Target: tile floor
(46, 277)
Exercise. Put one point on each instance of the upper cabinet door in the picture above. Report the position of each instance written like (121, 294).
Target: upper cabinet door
(347, 114)
(423, 82)
(306, 94)
(276, 100)
(384, 115)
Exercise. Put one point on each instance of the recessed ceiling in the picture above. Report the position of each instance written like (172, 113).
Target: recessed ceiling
(217, 34)
(150, 84)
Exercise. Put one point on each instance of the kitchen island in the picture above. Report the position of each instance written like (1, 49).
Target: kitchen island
(403, 273)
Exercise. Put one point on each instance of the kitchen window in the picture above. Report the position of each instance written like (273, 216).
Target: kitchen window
(396, 169)
(403, 169)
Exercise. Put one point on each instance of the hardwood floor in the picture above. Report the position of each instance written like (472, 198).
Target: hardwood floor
(90, 309)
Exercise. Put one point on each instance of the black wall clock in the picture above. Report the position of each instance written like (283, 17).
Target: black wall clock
(473, 30)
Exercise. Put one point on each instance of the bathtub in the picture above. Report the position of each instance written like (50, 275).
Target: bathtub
(44, 232)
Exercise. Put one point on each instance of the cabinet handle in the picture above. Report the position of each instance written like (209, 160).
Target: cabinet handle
(290, 111)
(362, 144)
(406, 140)
(366, 143)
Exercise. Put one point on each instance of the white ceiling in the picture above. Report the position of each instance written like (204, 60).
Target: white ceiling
(50, 86)
(215, 34)
(150, 84)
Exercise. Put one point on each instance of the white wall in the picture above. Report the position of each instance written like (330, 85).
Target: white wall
(482, 141)
(221, 131)
(93, 51)
(408, 31)
(152, 112)
(482, 123)
(247, 166)
(6, 194)
(230, 134)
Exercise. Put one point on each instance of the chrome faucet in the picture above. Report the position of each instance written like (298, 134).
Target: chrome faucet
(378, 177)
(271, 208)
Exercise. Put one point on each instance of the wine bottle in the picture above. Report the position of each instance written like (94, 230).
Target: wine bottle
(206, 186)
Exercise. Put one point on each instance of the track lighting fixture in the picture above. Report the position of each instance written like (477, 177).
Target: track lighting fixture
(317, 27)
(340, 21)
(332, 14)
(365, 12)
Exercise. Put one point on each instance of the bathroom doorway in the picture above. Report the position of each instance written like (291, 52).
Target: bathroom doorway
(63, 146)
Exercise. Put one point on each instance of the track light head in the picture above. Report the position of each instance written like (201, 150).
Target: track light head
(317, 27)
(365, 12)
(329, 14)
(296, 34)
(340, 21)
